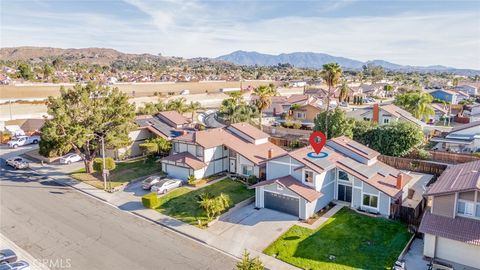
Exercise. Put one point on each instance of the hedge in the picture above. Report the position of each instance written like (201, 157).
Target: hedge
(109, 164)
(150, 200)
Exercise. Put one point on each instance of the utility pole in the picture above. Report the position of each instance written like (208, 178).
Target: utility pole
(10, 106)
(104, 171)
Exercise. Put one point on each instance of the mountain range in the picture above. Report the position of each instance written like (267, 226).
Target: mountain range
(316, 60)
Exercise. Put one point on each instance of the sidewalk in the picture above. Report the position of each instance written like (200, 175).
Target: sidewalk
(323, 218)
(35, 264)
(132, 204)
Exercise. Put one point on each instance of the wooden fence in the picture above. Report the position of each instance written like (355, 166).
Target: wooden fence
(452, 158)
(415, 165)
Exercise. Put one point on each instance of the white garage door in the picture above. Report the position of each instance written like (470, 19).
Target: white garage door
(178, 172)
(458, 252)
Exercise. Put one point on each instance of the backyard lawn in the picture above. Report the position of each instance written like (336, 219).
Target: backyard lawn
(182, 203)
(357, 242)
(125, 171)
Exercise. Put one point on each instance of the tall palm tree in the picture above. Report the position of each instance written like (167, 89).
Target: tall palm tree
(193, 107)
(344, 90)
(264, 99)
(331, 74)
(179, 105)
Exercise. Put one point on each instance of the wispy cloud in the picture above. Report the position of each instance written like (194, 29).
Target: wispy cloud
(198, 28)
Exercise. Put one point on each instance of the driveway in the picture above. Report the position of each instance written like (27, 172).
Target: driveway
(254, 229)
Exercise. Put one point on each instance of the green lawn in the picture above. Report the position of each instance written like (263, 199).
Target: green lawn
(357, 241)
(124, 172)
(182, 203)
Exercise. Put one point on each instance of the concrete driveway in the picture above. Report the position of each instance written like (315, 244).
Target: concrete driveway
(254, 229)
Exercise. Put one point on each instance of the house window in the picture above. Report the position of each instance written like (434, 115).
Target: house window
(366, 118)
(300, 115)
(477, 212)
(247, 170)
(386, 120)
(343, 176)
(465, 208)
(175, 147)
(308, 176)
(370, 200)
(199, 151)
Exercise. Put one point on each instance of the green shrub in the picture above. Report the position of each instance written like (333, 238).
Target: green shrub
(150, 200)
(149, 148)
(297, 124)
(252, 179)
(191, 180)
(109, 164)
(423, 154)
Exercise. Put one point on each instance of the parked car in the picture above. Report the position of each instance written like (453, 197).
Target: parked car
(70, 158)
(7, 256)
(344, 104)
(17, 163)
(165, 185)
(23, 140)
(20, 265)
(151, 180)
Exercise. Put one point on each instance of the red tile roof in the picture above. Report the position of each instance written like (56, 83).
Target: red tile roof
(461, 229)
(294, 185)
(187, 159)
(460, 177)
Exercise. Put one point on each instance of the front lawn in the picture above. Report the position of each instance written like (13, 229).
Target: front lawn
(357, 242)
(182, 203)
(125, 171)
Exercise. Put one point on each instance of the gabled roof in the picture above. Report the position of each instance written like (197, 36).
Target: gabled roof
(461, 229)
(355, 147)
(250, 131)
(456, 178)
(156, 126)
(297, 98)
(401, 113)
(294, 185)
(187, 159)
(174, 117)
(256, 153)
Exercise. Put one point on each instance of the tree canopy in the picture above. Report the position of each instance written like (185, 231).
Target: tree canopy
(417, 103)
(339, 123)
(84, 114)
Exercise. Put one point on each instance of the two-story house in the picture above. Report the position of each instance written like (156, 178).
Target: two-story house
(239, 148)
(302, 185)
(464, 139)
(451, 226)
(386, 114)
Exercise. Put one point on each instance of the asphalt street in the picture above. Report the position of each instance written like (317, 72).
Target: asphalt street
(67, 229)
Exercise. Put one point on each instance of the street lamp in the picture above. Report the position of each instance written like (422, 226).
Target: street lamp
(104, 171)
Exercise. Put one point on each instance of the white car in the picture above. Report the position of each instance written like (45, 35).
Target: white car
(70, 158)
(165, 185)
(17, 163)
(151, 180)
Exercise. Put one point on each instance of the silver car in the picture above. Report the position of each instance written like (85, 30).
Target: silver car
(17, 163)
(151, 180)
(18, 265)
(165, 185)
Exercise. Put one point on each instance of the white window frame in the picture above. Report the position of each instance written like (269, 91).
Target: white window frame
(470, 203)
(386, 120)
(342, 180)
(245, 166)
(368, 206)
(305, 178)
(300, 115)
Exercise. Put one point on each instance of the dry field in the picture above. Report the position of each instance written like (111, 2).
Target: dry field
(141, 89)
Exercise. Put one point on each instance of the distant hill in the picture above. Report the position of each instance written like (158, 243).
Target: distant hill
(316, 60)
(101, 56)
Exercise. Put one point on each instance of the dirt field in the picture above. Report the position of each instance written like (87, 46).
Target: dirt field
(140, 89)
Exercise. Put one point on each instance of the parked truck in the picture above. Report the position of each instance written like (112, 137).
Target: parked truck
(23, 140)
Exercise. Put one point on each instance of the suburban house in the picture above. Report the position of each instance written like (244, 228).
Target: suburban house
(450, 96)
(306, 111)
(168, 125)
(474, 113)
(238, 149)
(351, 174)
(22, 126)
(468, 89)
(441, 112)
(451, 226)
(463, 138)
(387, 114)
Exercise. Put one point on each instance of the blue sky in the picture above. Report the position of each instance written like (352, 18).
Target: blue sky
(405, 32)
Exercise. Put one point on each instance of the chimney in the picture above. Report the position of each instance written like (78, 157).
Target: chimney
(270, 153)
(399, 181)
(184, 132)
(376, 113)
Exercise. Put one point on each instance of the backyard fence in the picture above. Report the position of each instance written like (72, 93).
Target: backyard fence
(452, 158)
(415, 165)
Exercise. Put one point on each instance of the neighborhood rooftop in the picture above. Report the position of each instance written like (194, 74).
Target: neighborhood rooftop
(461, 177)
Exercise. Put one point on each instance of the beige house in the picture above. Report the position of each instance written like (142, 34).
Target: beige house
(452, 224)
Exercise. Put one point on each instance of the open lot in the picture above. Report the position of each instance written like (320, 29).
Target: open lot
(182, 203)
(125, 171)
(356, 241)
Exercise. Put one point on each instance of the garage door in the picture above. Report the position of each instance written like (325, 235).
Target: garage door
(459, 252)
(178, 172)
(281, 203)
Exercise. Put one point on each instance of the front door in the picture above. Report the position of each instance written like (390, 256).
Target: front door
(344, 193)
(233, 165)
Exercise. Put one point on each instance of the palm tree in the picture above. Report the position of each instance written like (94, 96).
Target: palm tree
(331, 73)
(417, 103)
(193, 107)
(264, 99)
(344, 90)
(178, 105)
